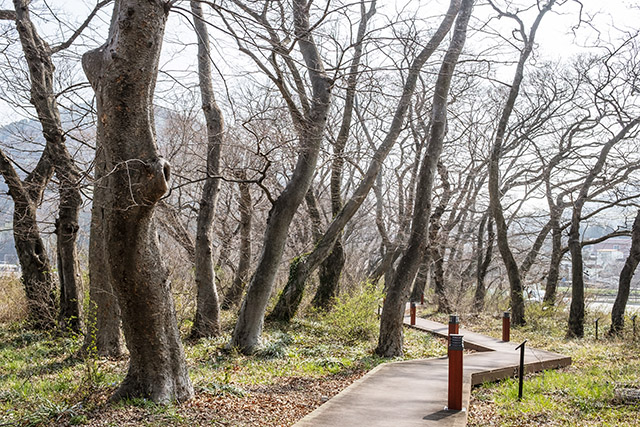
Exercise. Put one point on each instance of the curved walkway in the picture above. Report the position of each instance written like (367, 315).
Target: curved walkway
(414, 393)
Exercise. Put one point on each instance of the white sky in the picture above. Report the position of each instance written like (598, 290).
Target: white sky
(555, 38)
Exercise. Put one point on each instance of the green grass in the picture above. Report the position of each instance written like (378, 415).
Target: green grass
(42, 383)
(582, 394)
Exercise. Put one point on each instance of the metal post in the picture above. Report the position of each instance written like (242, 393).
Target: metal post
(597, 320)
(456, 348)
(422, 298)
(412, 312)
(521, 370)
(454, 327)
(506, 326)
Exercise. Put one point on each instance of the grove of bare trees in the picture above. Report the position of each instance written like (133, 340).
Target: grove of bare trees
(266, 157)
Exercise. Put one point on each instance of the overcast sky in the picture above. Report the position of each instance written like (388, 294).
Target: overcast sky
(557, 37)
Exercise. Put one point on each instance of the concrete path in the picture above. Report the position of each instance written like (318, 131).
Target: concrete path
(414, 393)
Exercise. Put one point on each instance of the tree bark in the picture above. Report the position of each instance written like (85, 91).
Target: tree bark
(234, 296)
(102, 337)
(38, 56)
(390, 342)
(123, 73)
(624, 284)
(207, 319)
(36, 270)
(247, 331)
(553, 273)
(306, 264)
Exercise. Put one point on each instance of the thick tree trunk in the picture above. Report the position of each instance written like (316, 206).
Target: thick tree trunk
(123, 73)
(306, 264)
(207, 319)
(329, 275)
(36, 270)
(38, 55)
(624, 284)
(390, 342)
(103, 318)
(234, 296)
(247, 331)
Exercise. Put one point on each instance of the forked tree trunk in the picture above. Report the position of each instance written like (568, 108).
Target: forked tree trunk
(624, 284)
(306, 264)
(207, 319)
(513, 273)
(36, 270)
(123, 73)
(248, 329)
(390, 341)
(234, 296)
(38, 55)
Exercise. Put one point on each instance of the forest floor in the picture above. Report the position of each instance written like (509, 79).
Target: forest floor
(302, 365)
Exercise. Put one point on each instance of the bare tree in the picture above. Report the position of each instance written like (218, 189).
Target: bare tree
(123, 74)
(390, 342)
(36, 270)
(310, 124)
(306, 265)
(207, 322)
(515, 281)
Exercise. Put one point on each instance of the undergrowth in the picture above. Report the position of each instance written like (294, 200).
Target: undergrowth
(42, 382)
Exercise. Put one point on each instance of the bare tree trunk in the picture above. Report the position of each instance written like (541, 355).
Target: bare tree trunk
(247, 331)
(436, 245)
(123, 73)
(103, 318)
(484, 259)
(36, 270)
(531, 256)
(207, 320)
(234, 296)
(624, 284)
(515, 280)
(38, 55)
(554, 265)
(390, 342)
(306, 264)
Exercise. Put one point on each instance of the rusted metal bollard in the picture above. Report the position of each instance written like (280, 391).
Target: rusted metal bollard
(454, 327)
(456, 347)
(412, 313)
(422, 298)
(506, 326)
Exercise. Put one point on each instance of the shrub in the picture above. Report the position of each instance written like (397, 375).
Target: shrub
(353, 317)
